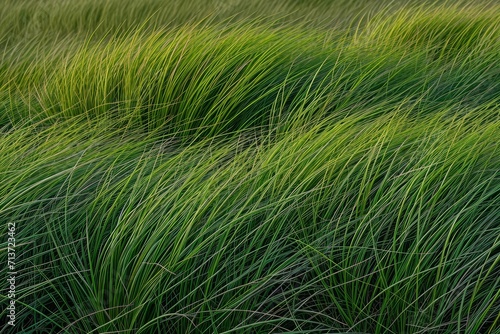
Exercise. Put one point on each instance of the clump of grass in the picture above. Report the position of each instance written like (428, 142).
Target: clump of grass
(252, 177)
(446, 32)
(359, 227)
(204, 82)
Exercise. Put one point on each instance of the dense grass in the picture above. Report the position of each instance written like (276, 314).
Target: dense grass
(251, 166)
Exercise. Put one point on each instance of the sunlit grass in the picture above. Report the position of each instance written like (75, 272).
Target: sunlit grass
(245, 167)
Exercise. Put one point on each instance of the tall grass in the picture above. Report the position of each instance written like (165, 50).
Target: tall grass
(251, 167)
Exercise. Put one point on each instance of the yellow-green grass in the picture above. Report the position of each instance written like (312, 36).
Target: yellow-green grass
(251, 167)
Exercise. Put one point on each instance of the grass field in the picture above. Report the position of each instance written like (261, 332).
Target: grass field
(252, 166)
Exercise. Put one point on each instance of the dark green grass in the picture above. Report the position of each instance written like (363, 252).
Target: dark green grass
(251, 167)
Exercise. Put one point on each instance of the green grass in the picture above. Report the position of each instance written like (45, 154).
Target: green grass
(251, 166)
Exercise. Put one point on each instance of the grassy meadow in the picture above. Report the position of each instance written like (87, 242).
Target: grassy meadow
(231, 166)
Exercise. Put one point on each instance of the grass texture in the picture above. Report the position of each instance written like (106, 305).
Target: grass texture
(251, 166)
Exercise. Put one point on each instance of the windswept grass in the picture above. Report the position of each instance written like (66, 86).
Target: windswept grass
(251, 167)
